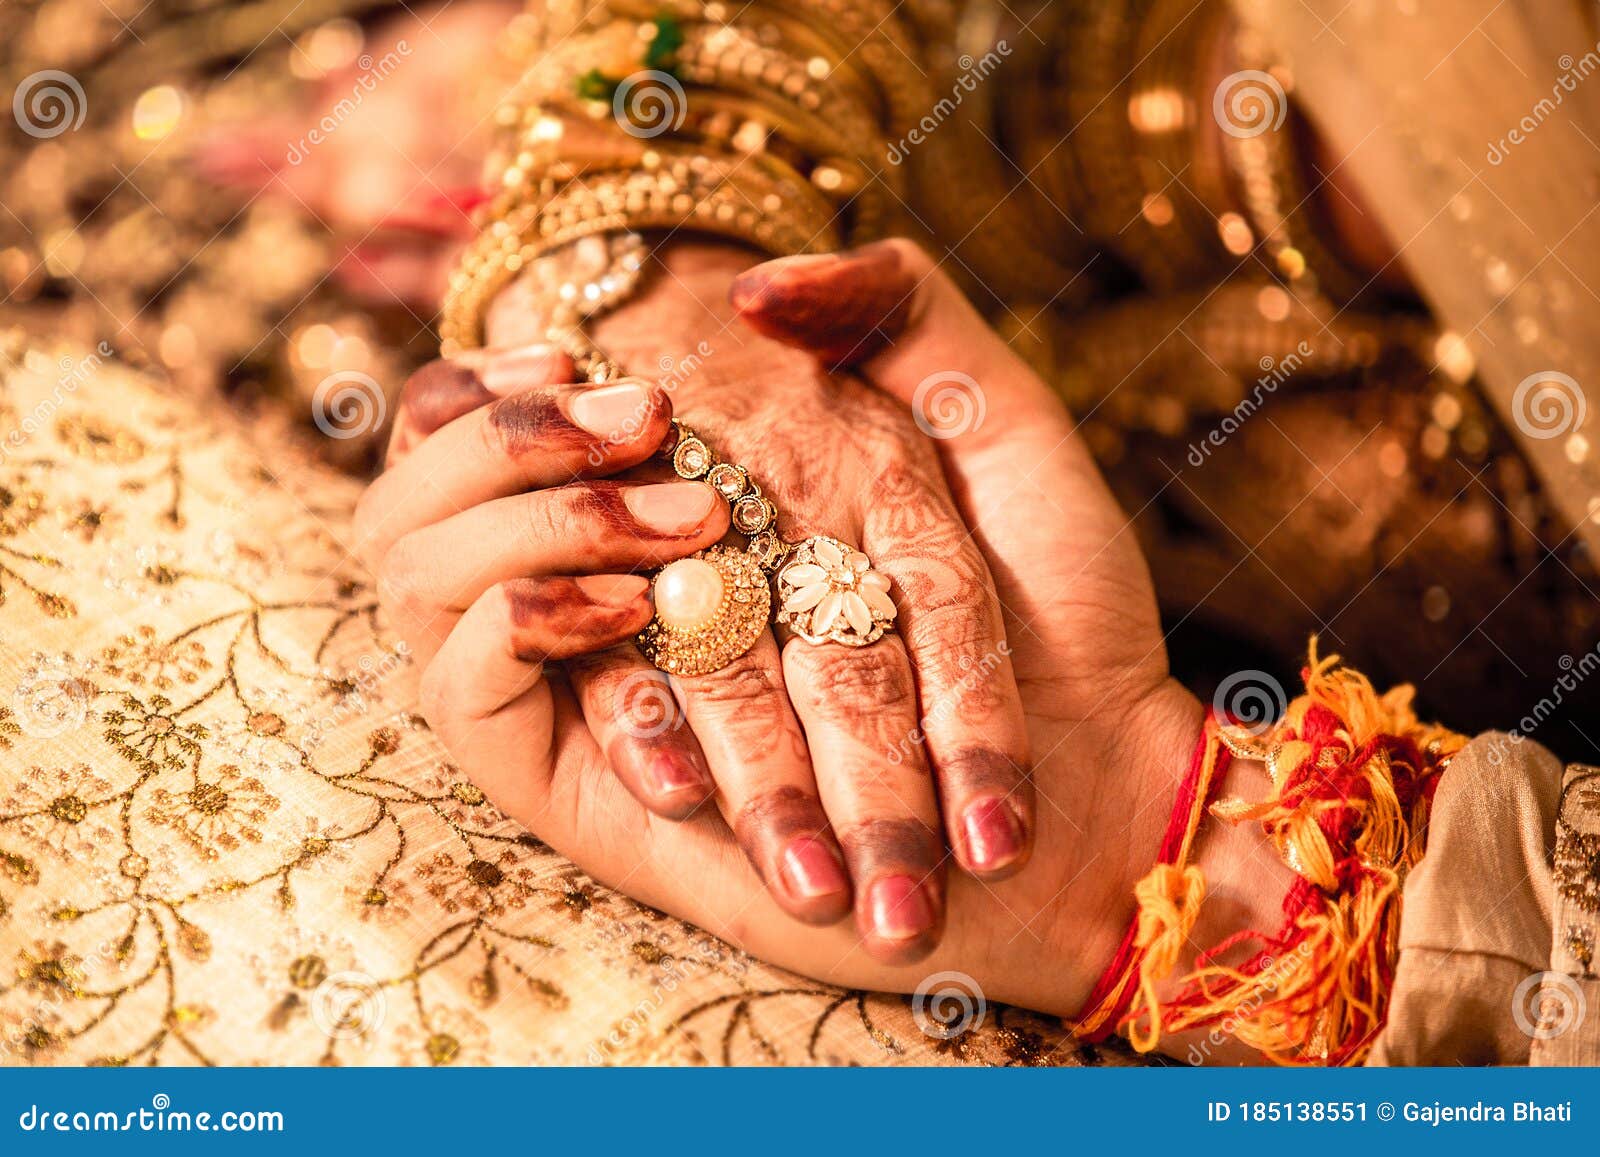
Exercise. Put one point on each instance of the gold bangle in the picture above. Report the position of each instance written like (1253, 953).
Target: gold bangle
(745, 206)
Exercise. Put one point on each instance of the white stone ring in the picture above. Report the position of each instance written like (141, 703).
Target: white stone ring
(829, 593)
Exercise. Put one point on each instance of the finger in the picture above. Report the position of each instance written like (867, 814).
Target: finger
(499, 647)
(484, 693)
(857, 704)
(971, 727)
(909, 329)
(758, 757)
(534, 439)
(631, 710)
(446, 388)
(842, 307)
(584, 528)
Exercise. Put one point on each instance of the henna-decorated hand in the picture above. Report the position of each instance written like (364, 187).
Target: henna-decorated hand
(1111, 731)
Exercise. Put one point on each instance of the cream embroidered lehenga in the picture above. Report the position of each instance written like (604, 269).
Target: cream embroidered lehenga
(226, 835)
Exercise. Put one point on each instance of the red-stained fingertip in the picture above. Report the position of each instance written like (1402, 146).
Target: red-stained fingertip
(844, 308)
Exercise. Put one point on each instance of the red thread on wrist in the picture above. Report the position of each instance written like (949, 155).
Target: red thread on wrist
(1113, 994)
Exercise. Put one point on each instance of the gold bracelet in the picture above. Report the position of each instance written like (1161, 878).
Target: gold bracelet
(705, 197)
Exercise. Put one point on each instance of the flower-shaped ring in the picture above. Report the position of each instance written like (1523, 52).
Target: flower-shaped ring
(829, 593)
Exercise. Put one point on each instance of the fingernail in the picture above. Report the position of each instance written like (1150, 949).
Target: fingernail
(613, 590)
(843, 309)
(994, 834)
(505, 372)
(671, 508)
(611, 412)
(900, 908)
(676, 771)
(811, 869)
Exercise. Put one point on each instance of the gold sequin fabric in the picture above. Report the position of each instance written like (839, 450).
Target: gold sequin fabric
(227, 837)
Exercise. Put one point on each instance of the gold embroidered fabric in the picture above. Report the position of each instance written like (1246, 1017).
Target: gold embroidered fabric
(226, 836)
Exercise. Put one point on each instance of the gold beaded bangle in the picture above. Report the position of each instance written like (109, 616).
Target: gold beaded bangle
(677, 198)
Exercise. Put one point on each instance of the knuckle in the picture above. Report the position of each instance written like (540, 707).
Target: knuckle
(958, 634)
(435, 694)
(880, 675)
(778, 815)
(361, 528)
(983, 770)
(746, 682)
(877, 841)
(548, 517)
(400, 580)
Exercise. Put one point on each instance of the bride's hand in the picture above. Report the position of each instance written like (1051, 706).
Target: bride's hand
(830, 763)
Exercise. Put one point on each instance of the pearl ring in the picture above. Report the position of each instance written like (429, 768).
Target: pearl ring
(714, 605)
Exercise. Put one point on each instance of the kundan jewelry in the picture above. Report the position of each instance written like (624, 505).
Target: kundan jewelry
(713, 606)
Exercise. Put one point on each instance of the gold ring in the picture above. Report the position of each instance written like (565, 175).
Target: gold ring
(710, 608)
